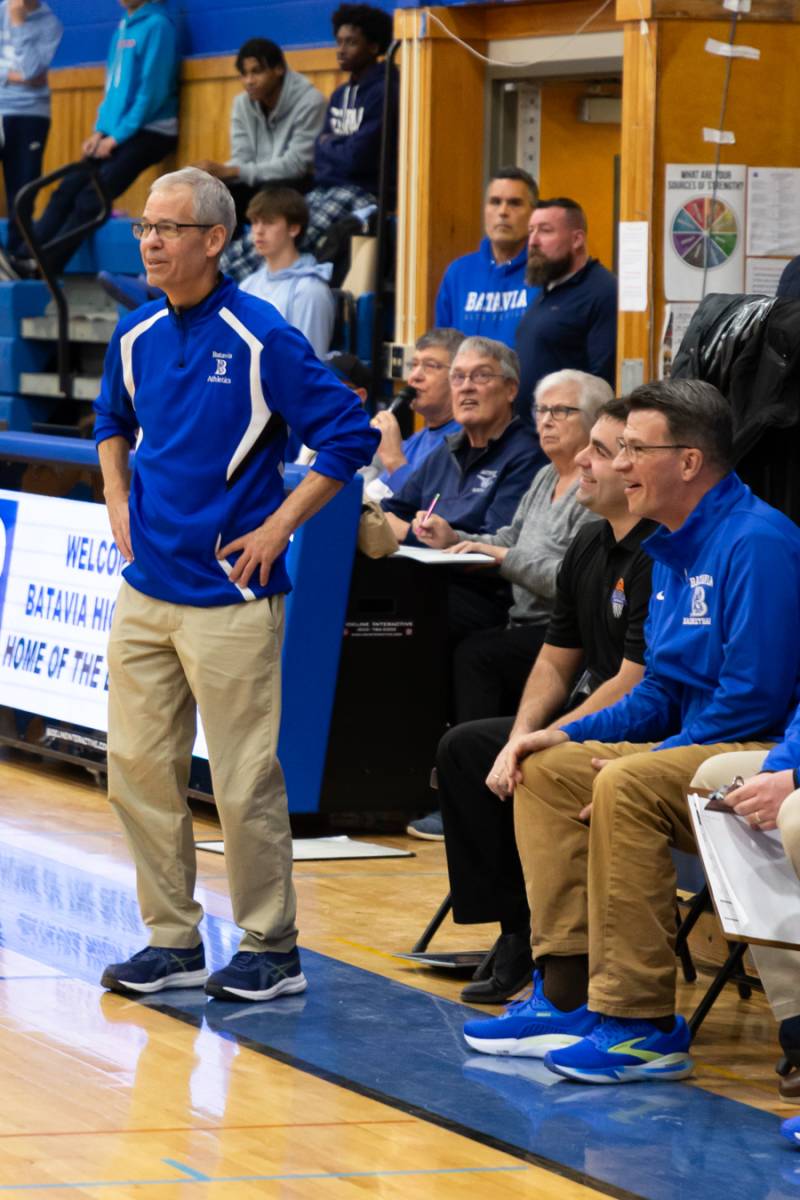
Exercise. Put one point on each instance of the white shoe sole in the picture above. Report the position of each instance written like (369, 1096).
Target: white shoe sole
(667, 1069)
(530, 1047)
(286, 987)
(181, 979)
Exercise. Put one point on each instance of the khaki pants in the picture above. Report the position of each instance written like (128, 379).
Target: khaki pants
(608, 889)
(779, 969)
(165, 662)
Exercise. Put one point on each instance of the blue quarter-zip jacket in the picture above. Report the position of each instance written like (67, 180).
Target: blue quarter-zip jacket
(209, 392)
(722, 633)
(142, 75)
(483, 298)
(481, 498)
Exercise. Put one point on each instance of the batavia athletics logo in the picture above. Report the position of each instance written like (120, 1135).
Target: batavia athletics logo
(618, 598)
(221, 362)
(699, 607)
(484, 481)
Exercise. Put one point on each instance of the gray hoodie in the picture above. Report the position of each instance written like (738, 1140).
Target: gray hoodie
(279, 145)
(302, 297)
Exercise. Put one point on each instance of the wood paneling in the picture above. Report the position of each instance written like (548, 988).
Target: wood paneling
(705, 10)
(639, 96)
(208, 87)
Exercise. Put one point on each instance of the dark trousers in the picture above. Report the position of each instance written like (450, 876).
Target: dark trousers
(75, 201)
(22, 150)
(485, 873)
(490, 669)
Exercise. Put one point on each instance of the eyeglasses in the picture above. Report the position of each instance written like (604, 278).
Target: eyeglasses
(481, 376)
(635, 450)
(559, 412)
(168, 230)
(428, 366)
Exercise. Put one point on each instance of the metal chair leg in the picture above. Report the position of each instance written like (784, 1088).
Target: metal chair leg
(432, 926)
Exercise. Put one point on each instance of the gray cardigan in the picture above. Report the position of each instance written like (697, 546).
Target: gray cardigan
(280, 145)
(539, 534)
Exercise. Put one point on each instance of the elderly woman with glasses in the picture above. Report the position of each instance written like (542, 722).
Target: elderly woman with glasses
(491, 665)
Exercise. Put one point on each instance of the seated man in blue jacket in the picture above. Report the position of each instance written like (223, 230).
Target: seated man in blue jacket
(485, 293)
(722, 669)
(429, 381)
(477, 477)
(137, 125)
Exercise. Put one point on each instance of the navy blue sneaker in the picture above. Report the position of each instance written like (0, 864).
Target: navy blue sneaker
(620, 1050)
(530, 1027)
(791, 1130)
(251, 976)
(428, 829)
(156, 968)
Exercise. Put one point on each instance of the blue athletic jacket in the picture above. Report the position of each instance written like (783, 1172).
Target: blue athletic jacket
(484, 298)
(722, 633)
(141, 76)
(209, 392)
(484, 496)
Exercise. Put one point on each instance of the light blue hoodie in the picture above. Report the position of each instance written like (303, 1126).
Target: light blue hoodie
(302, 297)
(141, 76)
(29, 49)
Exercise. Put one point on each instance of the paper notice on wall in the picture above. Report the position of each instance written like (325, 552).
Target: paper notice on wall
(676, 322)
(773, 211)
(704, 230)
(762, 274)
(633, 251)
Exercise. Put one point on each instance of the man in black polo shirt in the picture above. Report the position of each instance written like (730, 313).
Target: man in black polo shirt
(573, 320)
(592, 655)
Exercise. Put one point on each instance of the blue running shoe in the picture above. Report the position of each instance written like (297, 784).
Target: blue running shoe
(791, 1130)
(530, 1027)
(624, 1051)
(251, 976)
(156, 968)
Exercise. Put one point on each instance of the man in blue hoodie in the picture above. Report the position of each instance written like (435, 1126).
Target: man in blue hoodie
(205, 382)
(485, 293)
(722, 670)
(29, 37)
(347, 152)
(137, 126)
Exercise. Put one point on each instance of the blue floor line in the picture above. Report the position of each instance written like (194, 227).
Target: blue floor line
(404, 1047)
(285, 1177)
(190, 1171)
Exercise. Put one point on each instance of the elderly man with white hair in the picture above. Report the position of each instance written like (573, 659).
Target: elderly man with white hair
(205, 381)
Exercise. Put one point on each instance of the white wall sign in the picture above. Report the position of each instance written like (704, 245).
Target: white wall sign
(60, 572)
(704, 230)
(773, 211)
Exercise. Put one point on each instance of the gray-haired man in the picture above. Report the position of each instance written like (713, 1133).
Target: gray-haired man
(205, 382)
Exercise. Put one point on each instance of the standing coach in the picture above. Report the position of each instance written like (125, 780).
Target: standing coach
(205, 381)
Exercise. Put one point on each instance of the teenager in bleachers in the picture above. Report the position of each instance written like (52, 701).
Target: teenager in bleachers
(295, 283)
(29, 37)
(137, 126)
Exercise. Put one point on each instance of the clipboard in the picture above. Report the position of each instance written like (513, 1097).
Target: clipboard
(753, 886)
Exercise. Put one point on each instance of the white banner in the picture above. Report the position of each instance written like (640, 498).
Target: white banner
(60, 576)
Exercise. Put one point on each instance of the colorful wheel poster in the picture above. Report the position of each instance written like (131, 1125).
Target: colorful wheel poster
(704, 230)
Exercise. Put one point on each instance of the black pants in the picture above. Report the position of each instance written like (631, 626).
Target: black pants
(23, 143)
(490, 669)
(486, 878)
(75, 201)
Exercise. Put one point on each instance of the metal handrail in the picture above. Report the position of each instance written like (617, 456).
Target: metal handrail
(376, 366)
(23, 212)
